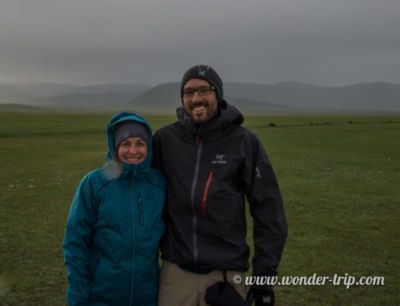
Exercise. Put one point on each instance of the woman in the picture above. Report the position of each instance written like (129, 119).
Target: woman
(114, 225)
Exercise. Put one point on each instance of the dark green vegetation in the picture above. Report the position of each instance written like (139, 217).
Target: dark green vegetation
(340, 178)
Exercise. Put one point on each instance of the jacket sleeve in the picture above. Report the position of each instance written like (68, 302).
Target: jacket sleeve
(77, 241)
(266, 208)
(156, 163)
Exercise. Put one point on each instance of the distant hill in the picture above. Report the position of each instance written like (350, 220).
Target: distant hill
(67, 95)
(25, 92)
(166, 98)
(255, 107)
(163, 98)
(18, 108)
(11, 94)
(377, 96)
(287, 97)
(85, 101)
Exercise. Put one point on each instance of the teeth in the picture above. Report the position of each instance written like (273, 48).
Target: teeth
(133, 158)
(198, 105)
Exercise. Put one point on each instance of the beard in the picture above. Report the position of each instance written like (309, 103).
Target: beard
(200, 111)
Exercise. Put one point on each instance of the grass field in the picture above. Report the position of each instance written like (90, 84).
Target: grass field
(340, 178)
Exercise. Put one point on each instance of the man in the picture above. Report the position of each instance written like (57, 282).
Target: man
(211, 163)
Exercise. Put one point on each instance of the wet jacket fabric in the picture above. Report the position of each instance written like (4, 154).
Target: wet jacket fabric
(113, 232)
(210, 170)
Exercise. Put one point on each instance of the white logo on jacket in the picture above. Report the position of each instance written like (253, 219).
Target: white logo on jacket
(220, 159)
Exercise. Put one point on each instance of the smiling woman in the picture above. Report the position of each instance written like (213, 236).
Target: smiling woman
(114, 225)
(130, 140)
(132, 150)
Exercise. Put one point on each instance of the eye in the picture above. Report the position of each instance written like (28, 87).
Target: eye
(204, 90)
(188, 91)
(125, 143)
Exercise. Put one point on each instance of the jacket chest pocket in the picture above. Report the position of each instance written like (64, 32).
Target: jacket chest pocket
(148, 210)
(226, 176)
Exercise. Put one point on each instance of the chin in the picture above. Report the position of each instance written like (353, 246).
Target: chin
(133, 163)
(199, 119)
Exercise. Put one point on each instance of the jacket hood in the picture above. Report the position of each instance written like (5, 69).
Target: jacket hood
(138, 169)
(227, 117)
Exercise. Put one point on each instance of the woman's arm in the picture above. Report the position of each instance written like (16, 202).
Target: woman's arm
(77, 242)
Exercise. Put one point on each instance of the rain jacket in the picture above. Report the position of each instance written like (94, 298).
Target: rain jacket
(113, 232)
(210, 170)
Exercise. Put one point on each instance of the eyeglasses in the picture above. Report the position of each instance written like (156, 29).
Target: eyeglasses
(202, 91)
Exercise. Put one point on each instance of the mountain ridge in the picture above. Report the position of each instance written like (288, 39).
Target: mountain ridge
(254, 97)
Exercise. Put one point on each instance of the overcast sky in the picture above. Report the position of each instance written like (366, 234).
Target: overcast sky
(324, 42)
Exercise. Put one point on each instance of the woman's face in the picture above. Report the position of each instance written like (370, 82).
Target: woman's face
(132, 150)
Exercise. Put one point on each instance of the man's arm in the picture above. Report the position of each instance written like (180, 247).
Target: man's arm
(156, 151)
(266, 207)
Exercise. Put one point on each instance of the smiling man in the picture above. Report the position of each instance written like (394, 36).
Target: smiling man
(212, 163)
(199, 100)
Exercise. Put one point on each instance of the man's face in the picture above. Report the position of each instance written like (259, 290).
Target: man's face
(202, 104)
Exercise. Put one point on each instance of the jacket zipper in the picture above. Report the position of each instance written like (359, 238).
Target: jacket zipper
(192, 196)
(140, 208)
(131, 302)
(205, 193)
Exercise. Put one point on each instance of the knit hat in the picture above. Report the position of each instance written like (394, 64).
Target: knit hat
(128, 129)
(208, 74)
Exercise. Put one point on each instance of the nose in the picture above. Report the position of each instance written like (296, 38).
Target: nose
(196, 96)
(132, 149)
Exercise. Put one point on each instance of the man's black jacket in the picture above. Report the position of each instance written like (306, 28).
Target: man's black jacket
(209, 170)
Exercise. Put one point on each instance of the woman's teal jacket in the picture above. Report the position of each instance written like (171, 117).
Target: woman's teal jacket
(113, 232)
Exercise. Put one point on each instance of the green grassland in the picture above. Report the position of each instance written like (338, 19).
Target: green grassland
(340, 178)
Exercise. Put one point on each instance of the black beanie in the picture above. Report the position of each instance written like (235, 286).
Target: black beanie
(128, 129)
(205, 72)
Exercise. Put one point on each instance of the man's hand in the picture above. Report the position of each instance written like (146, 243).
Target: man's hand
(263, 296)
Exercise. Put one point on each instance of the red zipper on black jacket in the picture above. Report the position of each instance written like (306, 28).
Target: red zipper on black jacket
(205, 193)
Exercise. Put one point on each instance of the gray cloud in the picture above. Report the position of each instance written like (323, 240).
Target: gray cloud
(96, 41)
